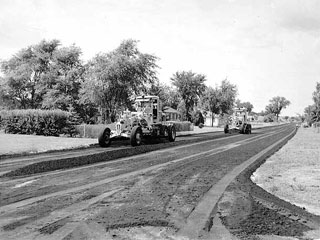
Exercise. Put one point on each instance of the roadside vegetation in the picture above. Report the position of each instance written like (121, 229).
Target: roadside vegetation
(48, 76)
(312, 112)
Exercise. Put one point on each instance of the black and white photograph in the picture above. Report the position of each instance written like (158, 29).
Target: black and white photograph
(159, 120)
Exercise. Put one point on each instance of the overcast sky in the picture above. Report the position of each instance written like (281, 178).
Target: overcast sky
(267, 48)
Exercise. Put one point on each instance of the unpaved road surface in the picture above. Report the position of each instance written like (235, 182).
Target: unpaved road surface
(197, 187)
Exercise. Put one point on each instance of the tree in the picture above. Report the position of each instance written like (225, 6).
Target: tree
(43, 76)
(211, 101)
(246, 105)
(190, 87)
(276, 105)
(316, 99)
(113, 79)
(229, 92)
(219, 100)
(166, 94)
(7, 102)
(63, 80)
(25, 70)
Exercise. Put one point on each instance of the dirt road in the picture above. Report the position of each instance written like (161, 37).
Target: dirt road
(179, 192)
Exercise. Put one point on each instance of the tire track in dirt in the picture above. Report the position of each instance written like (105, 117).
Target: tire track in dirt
(199, 220)
(13, 206)
(135, 173)
(43, 225)
(81, 168)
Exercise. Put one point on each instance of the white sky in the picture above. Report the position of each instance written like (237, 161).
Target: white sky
(267, 48)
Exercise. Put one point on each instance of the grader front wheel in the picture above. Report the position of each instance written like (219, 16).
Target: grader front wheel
(104, 138)
(136, 136)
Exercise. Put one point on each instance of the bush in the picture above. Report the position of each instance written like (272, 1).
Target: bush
(201, 125)
(197, 118)
(268, 118)
(36, 121)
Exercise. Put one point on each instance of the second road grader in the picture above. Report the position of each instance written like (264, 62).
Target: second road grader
(147, 122)
(238, 122)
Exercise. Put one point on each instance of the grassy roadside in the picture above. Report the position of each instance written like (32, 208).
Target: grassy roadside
(293, 172)
(26, 144)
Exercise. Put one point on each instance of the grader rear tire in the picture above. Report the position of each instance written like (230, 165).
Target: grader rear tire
(172, 133)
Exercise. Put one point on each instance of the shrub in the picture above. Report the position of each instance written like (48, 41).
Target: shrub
(36, 121)
(197, 118)
(201, 125)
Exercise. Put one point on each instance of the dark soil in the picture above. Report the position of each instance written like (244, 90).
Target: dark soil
(261, 213)
(165, 196)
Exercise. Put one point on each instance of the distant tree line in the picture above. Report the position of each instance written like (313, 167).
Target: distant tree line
(49, 76)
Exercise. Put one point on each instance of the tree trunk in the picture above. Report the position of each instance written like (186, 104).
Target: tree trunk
(212, 118)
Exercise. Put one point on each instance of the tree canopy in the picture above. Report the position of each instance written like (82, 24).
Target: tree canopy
(190, 87)
(113, 79)
(24, 73)
(246, 105)
(166, 94)
(312, 112)
(49, 76)
(276, 105)
(219, 100)
(43, 76)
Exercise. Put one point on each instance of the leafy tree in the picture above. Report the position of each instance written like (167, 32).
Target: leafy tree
(43, 76)
(211, 101)
(6, 101)
(169, 96)
(269, 117)
(190, 87)
(229, 92)
(312, 114)
(316, 108)
(63, 80)
(276, 105)
(24, 71)
(219, 100)
(197, 118)
(246, 105)
(113, 79)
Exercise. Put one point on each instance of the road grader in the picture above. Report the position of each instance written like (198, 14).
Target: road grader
(238, 122)
(146, 123)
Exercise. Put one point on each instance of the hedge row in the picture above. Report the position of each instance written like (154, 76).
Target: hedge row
(36, 121)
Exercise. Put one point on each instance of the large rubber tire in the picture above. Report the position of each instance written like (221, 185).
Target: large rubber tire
(226, 128)
(136, 136)
(172, 133)
(104, 138)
